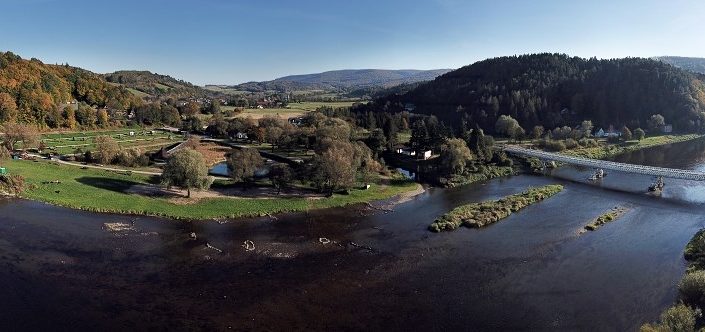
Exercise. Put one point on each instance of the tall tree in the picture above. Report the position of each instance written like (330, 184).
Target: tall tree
(107, 149)
(187, 169)
(455, 156)
(243, 163)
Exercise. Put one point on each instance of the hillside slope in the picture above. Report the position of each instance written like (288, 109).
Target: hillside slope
(696, 65)
(34, 92)
(555, 90)
(155, 85)
(343, 80)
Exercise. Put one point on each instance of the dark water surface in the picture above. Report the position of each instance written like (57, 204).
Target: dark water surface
(62, 270)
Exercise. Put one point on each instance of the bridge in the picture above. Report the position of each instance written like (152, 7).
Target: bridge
(610, 165)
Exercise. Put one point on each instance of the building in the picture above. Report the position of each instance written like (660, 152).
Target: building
(241, 135)
(426, 154)
(667, 129)
(600, 133)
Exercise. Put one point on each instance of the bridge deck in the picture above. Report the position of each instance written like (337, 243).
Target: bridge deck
(610, 165)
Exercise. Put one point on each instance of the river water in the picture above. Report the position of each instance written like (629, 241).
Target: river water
(382, 270)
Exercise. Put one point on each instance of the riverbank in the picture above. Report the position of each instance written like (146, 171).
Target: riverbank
(611, 150)
(109, 192)
(485, 213)
(686, 315)
(487, 172)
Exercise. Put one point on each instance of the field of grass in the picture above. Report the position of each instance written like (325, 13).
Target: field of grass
(291, 111)
(64, 143)
(104, 191)
(485, 213)
(608, 150)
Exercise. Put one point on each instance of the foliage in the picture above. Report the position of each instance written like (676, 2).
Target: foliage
(692, 288)
(508, 126)
(281, 175)
(12, 184)
(485, 213)
(557, 90)
(186, 169)
(678, 318)
(695, 251)
(626, 133)
(4, 153)
(639, 134)
(155, 84)
(243, 163)
(14, 133)
(36, 90)
(455, 155)
(106, 148)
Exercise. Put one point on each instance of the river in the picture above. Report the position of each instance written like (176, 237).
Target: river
(62, 270)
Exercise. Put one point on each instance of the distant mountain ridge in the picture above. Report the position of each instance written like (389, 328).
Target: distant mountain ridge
(343, 80)
(696, 65)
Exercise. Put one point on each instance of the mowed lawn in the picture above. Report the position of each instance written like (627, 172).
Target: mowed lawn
(105, 191)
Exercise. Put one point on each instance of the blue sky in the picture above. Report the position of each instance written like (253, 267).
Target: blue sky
(233, 41)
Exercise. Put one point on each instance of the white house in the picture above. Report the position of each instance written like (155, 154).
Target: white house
(407, 152)
(427, 154)
(241, 135)
(132, 133)
(600, 133)
(667, 128)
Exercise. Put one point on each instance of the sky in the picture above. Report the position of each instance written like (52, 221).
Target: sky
(234, 41)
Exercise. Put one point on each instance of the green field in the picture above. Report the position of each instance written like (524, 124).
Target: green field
(291, 111)
(65, 143)
(104, 191)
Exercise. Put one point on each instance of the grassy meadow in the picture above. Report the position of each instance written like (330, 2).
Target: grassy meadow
(105, 191)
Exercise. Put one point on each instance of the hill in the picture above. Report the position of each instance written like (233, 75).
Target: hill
(147, 84)
(342, 80)
(555, 90)
(34, 92)
(696, 65)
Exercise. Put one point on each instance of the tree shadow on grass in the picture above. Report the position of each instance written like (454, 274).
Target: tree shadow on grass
(116, 185)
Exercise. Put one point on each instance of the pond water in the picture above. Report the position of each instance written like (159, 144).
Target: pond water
(221, 169)
(62, 269)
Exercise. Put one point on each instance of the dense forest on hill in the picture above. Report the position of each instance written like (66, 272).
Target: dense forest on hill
(555, 90)
(34, 92)
(156, 85)
(696, 65)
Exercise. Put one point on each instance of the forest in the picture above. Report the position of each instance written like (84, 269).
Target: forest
(555, 90)
(37, 93)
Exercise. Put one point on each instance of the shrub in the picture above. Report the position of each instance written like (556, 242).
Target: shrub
(12, 184)
(570, 143)
(695, 250)
(552, 145)
(4, 153)
(692, 288)
(678, 318)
